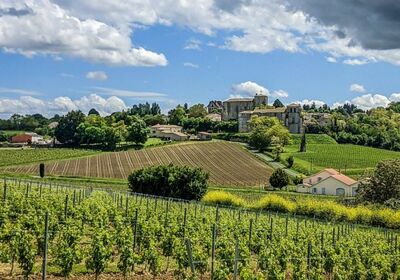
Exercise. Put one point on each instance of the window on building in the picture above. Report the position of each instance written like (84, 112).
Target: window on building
(340, 191)
(354, 191)
(314, 190)
(319, 179)
(323, 191)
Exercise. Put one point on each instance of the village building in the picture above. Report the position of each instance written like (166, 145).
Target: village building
(204, 136)
(28, 137)
(214, 106)
(168, 132)
(214, 117)
(242, 109)
(329, 182)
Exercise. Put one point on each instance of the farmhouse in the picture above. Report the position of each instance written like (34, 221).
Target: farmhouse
(28, 137)
(329, 182)
(168, 132)
(242, 109)
(204, 135)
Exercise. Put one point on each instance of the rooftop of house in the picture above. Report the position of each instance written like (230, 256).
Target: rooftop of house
(204, 133)
(166, 126)
(265, 111)
(215, 102)
(333, 173)
(240, 99)
(344, 179)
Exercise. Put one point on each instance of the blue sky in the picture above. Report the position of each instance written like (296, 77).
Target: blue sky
(212, 54)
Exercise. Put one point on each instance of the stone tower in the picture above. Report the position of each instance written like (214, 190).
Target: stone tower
(260, 99)
(294, 121)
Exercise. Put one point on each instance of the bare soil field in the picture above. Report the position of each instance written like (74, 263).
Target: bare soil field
(228, 163)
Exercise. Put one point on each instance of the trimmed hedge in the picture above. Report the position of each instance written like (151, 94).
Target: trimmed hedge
(170, 181)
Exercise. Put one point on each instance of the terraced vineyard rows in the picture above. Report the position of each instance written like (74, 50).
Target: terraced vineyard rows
(227, 163)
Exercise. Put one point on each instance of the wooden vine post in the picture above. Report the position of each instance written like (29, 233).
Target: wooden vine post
(46, 240)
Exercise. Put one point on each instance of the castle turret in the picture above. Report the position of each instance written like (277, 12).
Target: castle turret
(293, 121)
(260, 99)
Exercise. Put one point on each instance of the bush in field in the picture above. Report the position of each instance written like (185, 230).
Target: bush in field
(171, 181)
(297, 180)
(223, 198)
(41, 170)
(383, 185)
(276, 203)
(290, 162)
(279, 179)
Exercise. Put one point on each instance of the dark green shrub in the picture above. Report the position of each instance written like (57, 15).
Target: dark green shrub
(279, 179)
(290, 161)
(297, 180)
(171, 181)
(41, 170)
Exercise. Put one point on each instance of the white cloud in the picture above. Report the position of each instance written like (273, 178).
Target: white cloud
(127, 93)
(97, 75)
(331, 59)
(318, 103)
(190, 64)
(47, 28)
(101, 32)
(248, 89)
(369, 101)
(19, 91)
(280, 94)
(395, 97)
(193, 44)
(357, 88)
(355, 61)
(60, 105)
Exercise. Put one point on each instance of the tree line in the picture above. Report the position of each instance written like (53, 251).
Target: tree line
(106, 132)
(379, 127)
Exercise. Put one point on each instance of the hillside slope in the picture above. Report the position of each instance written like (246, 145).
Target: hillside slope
(228, 163)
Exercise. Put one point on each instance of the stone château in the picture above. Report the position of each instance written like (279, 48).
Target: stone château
(242, 109)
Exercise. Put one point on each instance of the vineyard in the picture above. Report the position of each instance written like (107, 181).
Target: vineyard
(67, 231)
(16, 156)
(227, 163)
(353, 159)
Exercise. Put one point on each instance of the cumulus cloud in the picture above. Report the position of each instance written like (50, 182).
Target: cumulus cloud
(190, 64)
(318, 103)
(248, 89)
(50, 29)
(356, 32)
(395, 97)
(60, 105)
(357, 88)
(97, 75)
(370, 101)
(372, 24)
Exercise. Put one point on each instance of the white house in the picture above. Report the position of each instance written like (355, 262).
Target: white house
(329, 182)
